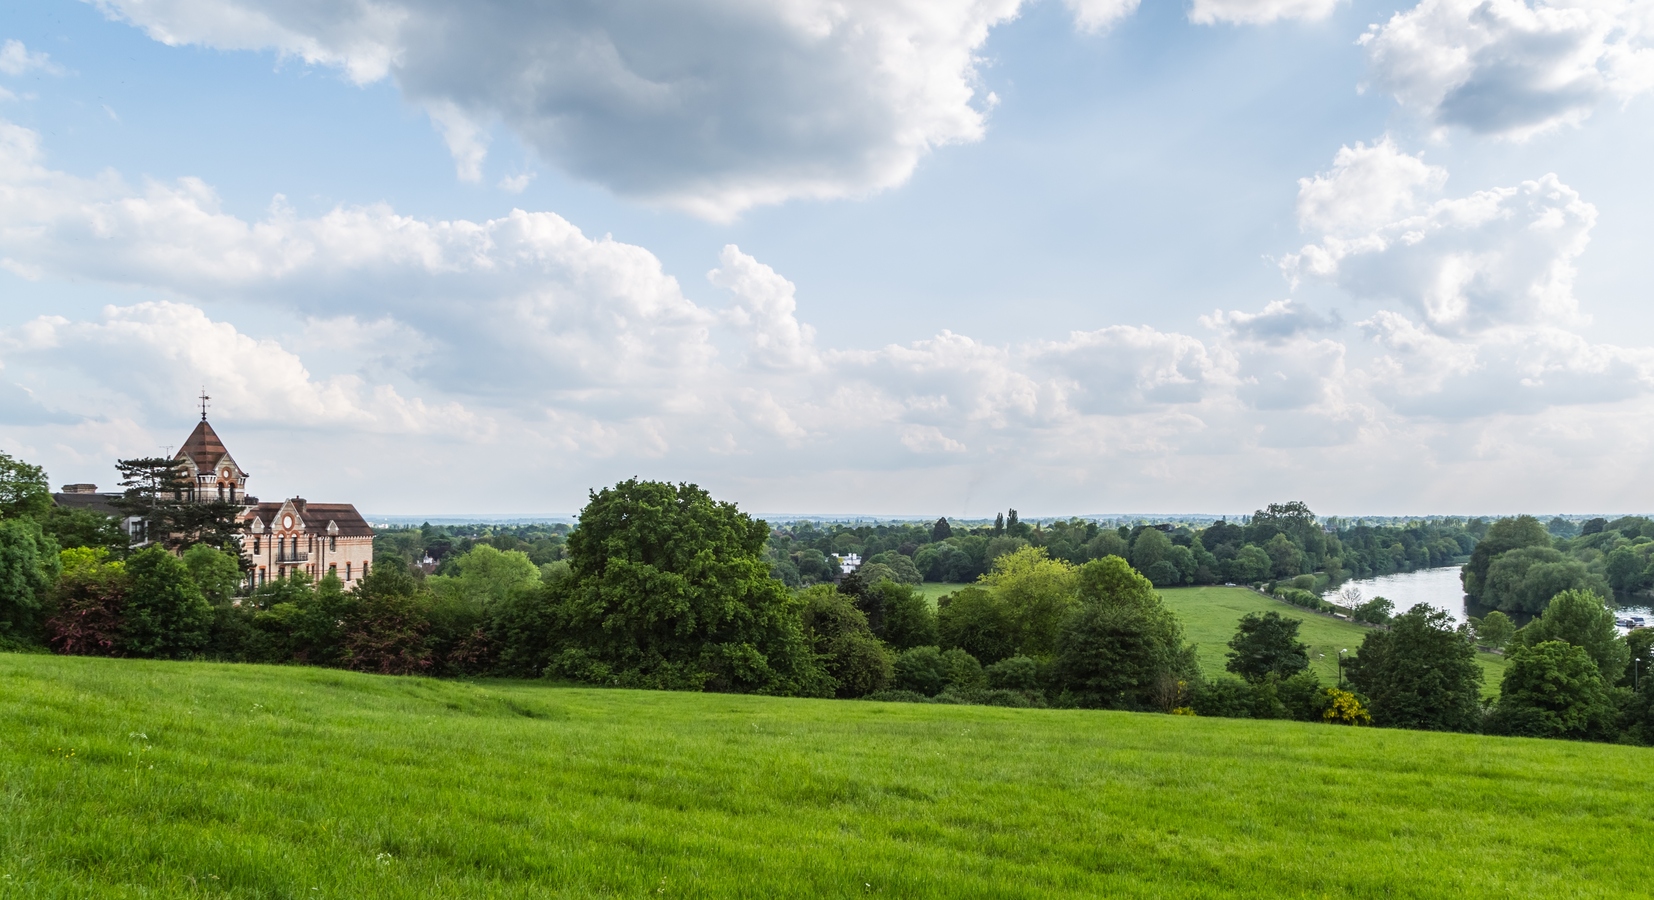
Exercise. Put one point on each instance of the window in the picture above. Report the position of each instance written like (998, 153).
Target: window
(333, 569)
(261, 575)
(255, 543)
(332, 542)
(347, 571)
(364, 570)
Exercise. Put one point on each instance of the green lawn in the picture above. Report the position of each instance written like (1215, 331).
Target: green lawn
(1210, 614)
(123, 778)
(933, 590)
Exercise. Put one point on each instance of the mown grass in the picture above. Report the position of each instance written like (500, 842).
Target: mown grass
(1210, 614)
(142, 779)
(934, 590)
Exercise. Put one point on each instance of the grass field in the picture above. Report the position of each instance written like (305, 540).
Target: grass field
(933, 590)
(1209, 616)
(138, 779)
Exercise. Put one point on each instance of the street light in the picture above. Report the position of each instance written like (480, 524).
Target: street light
(1341, 667)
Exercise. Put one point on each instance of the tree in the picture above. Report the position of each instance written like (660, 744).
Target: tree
(1285, 559)
(1525, 579)
(24, 491)
(1582, 619)
(1122, 646)
(900, 568)
(86, 603)
(1553, 689)
(1494, 630)
(1151, 546)
(669, 588)
(216, 573)
(1502, 536)
(941, 531)
(1376, 611)
(1421, 673)
(157, 490)
(166, 616)
(999, 524)
(975, 621)
(1624, 569)
(72, 527)
(908, 619)
(487, 575)
(1037, 594)
(838, 633)
(1250, 564)
(1593, 526)
(29, 566)
(920, 670)
(1267, 645)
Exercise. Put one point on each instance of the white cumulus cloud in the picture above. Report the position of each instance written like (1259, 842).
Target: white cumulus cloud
(1512, 68)
(705, 105)
(1257, 12)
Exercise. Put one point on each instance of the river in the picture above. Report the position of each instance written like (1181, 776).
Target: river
(1442, 589)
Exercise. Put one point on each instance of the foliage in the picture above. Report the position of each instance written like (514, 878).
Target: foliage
(1553, 689)
(1344, 708)
(1037, 594)
(1376, 611)
(86, 603)
(156, 489)
(1421, 674)
(1582, 619)
(1493, 630)
(1265, 646)
(1017, 673)
(908, 619)
(216, 573)
(165, 615)
(1123, 648)
(669, 588)
(857, 662)
(24, 491)
(72, 527)
(974, 620)
(1525, 579)
(1502, 536)
(920, 670)
(901, 567)
(28, 567)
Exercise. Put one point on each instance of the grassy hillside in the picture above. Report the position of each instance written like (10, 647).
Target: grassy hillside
(128, 779)
(933, 590)
(1210, 614)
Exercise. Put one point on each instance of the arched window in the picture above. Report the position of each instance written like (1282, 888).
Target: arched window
(347, 571)
(332, 542)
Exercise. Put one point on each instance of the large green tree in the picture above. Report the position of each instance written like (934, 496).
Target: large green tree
(1582, 619)
(1122, 649)
(156, 490)
(165, 616)
(1266, 645)
(1525, 579)
(856, 660)
(1421, 673)
(1553, 689)
(669, 588)
(29, 566)
(1037, 594)
(23, 489)
(1502, 536)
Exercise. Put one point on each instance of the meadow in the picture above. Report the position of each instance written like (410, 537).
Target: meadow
(126, 778)
(1210, 614)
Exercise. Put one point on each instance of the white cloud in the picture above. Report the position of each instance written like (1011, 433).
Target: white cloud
(765, 311)
(1257, 12)
(1095, 16)
(16, 59)
(1508, 68)
(1504, 256)
(708, 106)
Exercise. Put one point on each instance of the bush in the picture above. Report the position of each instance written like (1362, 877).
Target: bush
(86, 604)
(165, 615)
(1376, 611)
(962, 672)
(1421, 673)
(856, 661)
(1553, 689)
(921, 670)
(1267, 645)
(898, 696)
(908, 619)
(1123, 648)
(1018, 673)
(1227, 697)
(975, 621)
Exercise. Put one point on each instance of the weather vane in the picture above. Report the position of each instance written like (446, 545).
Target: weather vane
(204, 399)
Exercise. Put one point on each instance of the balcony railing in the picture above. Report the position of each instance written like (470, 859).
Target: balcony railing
(292, 556)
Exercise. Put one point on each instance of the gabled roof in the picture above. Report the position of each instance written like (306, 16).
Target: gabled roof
(316, 516)
(203, 448)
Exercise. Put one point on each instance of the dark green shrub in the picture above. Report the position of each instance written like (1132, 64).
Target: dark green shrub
(975, 621)
(29, 566)
(908, 619)
(1019, 673)
(1553, 689)
(165, 615)
(1267, 645)
(920, 670)
(962, 672)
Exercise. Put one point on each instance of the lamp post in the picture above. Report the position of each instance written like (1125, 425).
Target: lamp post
(1341, 667)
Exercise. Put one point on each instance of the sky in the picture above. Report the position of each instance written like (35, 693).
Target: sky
(877, 257)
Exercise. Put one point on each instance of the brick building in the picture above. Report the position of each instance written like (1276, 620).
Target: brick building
(294, 535)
